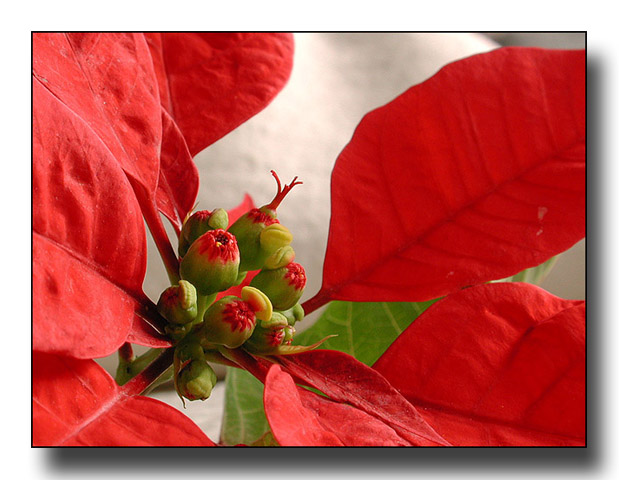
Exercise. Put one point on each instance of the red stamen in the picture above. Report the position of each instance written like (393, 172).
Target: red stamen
(239, 315)
(256, 216)
(281, 193)
(202, 215)
(218, 244)
(275, 337)
(296, 275)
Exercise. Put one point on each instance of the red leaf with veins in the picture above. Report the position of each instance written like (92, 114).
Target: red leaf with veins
(178, 177)
(298, 417)
(497, 364)
(473, 175)
(210, 83)
(85, 287)
(96, 140)
(106, 79)
(76, 403)
(346, 380)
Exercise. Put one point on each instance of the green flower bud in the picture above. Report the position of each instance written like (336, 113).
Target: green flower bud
(196, 380)
(229, 321)
(198, 224)
(212, 262)
(179, 304)
(294, 314)
(248, 230)
(270, 335)
(284, 286)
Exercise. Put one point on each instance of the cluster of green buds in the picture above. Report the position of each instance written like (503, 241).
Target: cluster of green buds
(214, 258)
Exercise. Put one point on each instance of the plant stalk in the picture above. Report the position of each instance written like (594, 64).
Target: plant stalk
(142, 381)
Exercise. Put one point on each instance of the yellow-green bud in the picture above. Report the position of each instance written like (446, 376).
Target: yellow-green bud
(248, 230)
(274, 237)
(277, 320)
(258, 302)
(294, 314)
(282, 257)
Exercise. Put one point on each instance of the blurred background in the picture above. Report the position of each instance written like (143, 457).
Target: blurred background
(336, 79)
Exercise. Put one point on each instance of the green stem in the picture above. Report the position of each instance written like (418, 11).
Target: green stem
(204, 301)
(128, 369)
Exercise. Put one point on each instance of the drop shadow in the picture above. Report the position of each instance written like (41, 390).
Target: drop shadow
(454, 460)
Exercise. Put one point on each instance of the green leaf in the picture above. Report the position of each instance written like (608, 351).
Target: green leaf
(244, 421)
(364, 329)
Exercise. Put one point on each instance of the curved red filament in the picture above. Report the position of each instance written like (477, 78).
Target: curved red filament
(281, 193)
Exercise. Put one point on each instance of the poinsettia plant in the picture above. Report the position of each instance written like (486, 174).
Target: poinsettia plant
(474, 176)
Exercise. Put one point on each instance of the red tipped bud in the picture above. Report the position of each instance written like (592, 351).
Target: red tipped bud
(256, 245)
(284, 286)
(193, 377)
(212, 262)
(198, 224)
(229, 321)
(178, 304)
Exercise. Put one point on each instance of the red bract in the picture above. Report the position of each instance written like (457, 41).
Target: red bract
(178, 175)
(473, 175)
(299, 417)
(75, 402)
(85, 287)
(349, 381)
(498, 364)
(210, 83)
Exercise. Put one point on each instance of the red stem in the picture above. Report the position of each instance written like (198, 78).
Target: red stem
(160, 236)
(142, 381)
(314, 303)
(248, 362)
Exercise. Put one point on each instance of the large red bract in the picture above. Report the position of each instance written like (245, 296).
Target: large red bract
(498, 364)
(471, 176)
(299, 418)
(76, 403)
